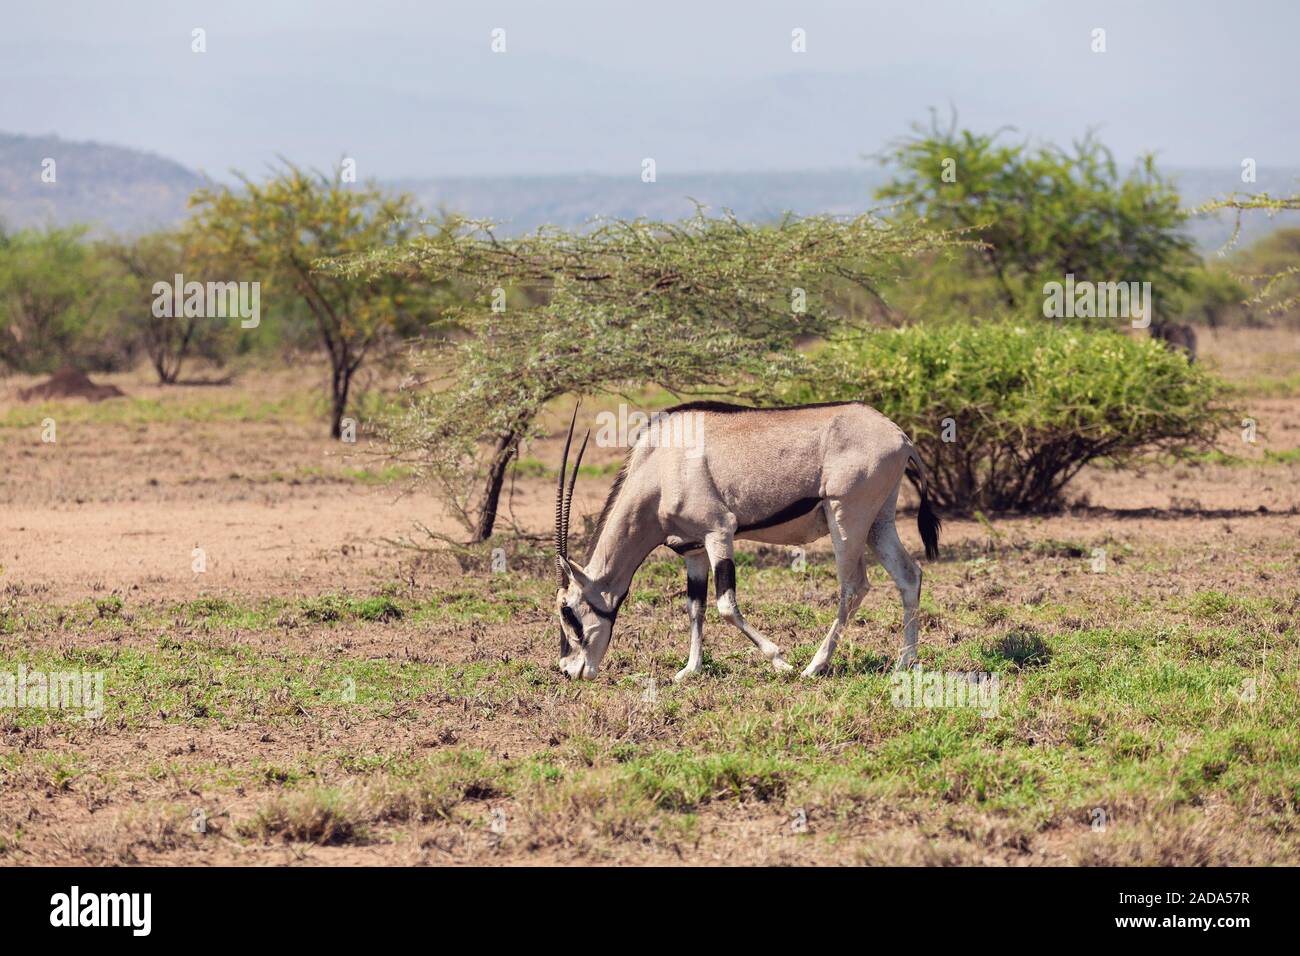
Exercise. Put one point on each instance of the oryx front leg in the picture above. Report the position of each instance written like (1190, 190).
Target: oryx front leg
(697, 596)
(850, 550)
(906, 575)
(719, 548)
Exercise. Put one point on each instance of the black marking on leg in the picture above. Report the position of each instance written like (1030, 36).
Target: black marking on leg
(686, 547)
(796, 509)
(697, 589)
(724, 577)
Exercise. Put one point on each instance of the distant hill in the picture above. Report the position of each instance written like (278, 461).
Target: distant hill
(110, 188)
(116, 189)
(522, 204)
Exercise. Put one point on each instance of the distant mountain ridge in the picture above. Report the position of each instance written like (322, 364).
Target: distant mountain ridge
(111, 188)
(116, 189)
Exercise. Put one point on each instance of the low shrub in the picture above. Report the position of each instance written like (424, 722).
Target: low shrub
(1005, 414)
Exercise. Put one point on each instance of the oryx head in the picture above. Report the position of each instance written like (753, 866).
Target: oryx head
(586, 617)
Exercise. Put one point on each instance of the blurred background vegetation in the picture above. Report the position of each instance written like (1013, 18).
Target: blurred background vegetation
(970, 227)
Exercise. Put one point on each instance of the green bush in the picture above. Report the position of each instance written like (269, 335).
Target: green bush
(1040, 212)
(1029, 404)
(58, 300)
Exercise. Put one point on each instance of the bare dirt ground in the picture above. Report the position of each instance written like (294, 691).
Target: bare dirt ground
(277, 509)
(117, 505)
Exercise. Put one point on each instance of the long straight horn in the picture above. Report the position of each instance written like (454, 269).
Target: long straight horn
(568, 499)
(561, 540)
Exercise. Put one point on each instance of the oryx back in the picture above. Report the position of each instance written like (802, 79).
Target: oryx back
(772, 468)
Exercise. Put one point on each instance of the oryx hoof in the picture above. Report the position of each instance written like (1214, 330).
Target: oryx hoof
(780, 664)
(906, 661)
(684, 673)
(816, 669)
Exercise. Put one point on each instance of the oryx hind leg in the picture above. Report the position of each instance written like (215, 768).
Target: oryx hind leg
(906, 574)
(719, 548)
(849, 539)
(697, 596)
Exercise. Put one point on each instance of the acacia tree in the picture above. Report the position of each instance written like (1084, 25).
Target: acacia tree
(171, 338)
(1040, 214)
(708, 304)
(282, 226)
(1277, 289)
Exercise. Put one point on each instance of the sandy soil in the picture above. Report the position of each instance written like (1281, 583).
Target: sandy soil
(121, 508)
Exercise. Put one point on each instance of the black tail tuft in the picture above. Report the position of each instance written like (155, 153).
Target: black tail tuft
(927, 522)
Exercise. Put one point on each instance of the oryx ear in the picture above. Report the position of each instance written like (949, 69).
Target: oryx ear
(579, 576)
(591, 592)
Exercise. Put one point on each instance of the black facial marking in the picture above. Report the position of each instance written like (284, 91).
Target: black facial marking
(697, 589)
(724, 577)
(796, 509)
(574, 624)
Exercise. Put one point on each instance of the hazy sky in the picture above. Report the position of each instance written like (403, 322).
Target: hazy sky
(413, 89)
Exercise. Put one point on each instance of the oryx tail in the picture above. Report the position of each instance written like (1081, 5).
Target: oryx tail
(927, 522)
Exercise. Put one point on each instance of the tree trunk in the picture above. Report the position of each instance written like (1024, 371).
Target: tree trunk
(339, 385)
(496, 479)
(159, 361)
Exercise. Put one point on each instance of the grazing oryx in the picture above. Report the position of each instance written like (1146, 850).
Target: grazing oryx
(779, 475)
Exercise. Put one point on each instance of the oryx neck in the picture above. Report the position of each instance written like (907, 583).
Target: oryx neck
(627, 536)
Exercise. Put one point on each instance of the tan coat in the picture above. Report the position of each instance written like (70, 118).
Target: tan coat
(784, 476)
